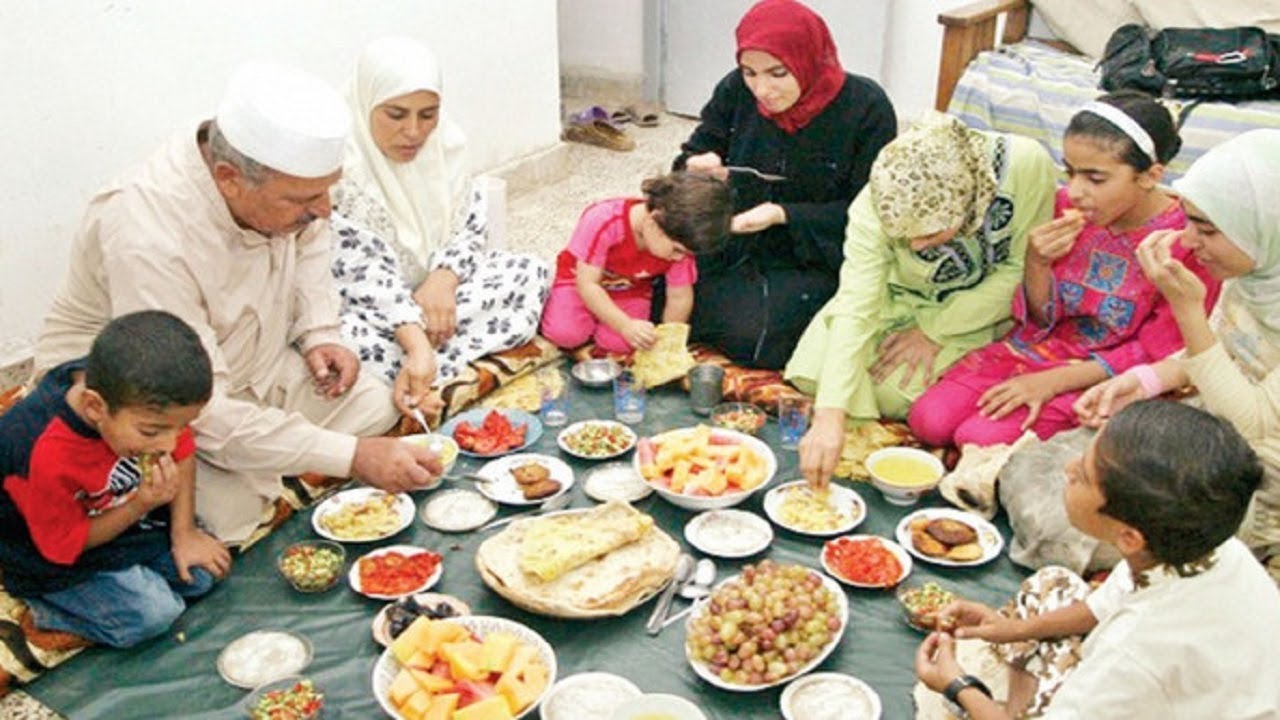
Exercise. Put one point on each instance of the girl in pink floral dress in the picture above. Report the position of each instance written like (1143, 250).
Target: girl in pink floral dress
(1085, 311)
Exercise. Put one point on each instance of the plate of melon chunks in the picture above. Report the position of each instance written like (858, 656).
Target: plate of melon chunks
(466, 668)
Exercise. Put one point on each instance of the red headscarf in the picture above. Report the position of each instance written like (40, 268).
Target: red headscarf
(799, 38)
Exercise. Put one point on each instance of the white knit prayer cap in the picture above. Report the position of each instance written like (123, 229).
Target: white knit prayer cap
(285, 118)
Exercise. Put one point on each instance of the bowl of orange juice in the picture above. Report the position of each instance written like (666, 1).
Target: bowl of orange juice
(904, 475)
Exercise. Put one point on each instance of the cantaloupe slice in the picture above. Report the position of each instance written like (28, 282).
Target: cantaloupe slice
(442, 706)
(498, 648)
(440, 632)
(402, 688)
(431, 682)
(494, 708)
(417, 705)
(411, 640)
(466, 659)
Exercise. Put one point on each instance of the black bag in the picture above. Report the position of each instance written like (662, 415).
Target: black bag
(1229, 63)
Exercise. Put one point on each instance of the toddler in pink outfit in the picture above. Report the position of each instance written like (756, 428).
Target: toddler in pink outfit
(603, 287)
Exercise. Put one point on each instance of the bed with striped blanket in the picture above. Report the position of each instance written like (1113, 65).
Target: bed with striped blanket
(1032, 89)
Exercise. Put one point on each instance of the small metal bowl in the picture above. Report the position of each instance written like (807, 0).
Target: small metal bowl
(596, 373)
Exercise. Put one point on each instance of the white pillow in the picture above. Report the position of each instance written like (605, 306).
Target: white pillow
(1087, 24)
(1161, 14)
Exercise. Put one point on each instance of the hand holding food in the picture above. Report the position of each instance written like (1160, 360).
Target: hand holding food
(1054, 239)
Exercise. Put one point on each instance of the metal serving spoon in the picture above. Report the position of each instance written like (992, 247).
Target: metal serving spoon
(767, 177)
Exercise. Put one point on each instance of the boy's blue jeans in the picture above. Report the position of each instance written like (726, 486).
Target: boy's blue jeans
(124, 607)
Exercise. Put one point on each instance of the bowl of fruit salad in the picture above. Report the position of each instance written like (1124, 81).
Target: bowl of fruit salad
(312, 565)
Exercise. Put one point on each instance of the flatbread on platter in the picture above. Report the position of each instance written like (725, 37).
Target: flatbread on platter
(605, 584)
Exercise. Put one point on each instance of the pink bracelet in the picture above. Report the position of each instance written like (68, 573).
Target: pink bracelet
(1146, 375)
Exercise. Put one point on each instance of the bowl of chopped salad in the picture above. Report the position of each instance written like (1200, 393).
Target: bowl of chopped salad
(596, 439)
(290, 698)
(312, 565)
(740, 416)
(921, 604)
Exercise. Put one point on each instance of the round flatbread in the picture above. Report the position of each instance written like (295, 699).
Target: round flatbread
(633, 568)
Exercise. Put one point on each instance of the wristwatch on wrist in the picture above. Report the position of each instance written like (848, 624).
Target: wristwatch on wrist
(955, 687)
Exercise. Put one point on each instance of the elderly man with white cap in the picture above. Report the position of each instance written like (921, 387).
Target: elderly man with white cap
(225, 227)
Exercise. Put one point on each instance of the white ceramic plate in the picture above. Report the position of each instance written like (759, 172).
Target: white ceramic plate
(404, 508)
(830, 689)
(381, 626)
(615, 481)
(587, 695)
(353, 575)
(729, 533)
(506, 490)
(846, 502)
(533, 428)
(989, 538)
(261, 656)
(705, 673)
(625, 435)
(903, 559)
(386, 668)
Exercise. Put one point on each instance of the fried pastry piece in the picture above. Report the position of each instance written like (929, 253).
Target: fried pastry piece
(951, 532)
(927, 544)
(530, 473)
(540, 489)
(967, 552)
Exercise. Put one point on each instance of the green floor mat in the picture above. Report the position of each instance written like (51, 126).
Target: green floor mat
(175, 676)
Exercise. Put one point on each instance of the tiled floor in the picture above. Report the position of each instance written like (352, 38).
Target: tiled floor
(540, 222)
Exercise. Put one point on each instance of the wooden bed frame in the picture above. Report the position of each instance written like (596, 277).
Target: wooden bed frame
(971, 29)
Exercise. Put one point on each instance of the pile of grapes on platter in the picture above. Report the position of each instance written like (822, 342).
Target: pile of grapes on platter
(765, 625)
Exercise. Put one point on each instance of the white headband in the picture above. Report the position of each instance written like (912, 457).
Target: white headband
(1126, 124)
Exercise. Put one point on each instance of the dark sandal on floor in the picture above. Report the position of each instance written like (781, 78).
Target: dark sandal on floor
(644, 114)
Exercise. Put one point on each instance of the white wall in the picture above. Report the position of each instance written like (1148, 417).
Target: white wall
(94, 85)
(602, 34)
(897, 42)
(912, 53)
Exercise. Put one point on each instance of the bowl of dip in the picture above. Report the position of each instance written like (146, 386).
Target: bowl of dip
(829, 696)
(658, 706)
(904, 475)
(458, 511)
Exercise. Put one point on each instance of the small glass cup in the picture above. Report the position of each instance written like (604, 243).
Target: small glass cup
(706, 386)
(555, 397)
(793, 420)
(628, 398)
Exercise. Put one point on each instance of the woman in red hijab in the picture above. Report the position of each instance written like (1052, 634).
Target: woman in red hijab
(789, 109)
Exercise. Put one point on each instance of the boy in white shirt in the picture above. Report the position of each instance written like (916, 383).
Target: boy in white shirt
(1185, 627)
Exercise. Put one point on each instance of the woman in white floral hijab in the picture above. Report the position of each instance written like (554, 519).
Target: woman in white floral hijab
(1233, 357)
(396, 255)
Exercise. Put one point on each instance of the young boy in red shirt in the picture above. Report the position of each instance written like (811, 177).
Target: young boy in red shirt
(97, 517)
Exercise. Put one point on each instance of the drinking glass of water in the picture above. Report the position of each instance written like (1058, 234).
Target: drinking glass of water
(628, 398)
(793, 420)
(555, 397)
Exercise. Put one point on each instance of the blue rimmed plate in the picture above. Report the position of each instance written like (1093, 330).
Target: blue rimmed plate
(533, 428)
